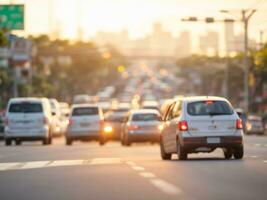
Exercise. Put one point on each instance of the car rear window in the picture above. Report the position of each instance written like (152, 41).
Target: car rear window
(85, 111)
(146, 117)
(209, 107)
(26, 107)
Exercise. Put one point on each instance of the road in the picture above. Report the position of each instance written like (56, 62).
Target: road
(88, 171)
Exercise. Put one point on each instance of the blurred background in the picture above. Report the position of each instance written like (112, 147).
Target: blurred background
(61, 48)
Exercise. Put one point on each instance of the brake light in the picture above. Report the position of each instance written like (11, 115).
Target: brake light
(71, 122)
(133, 127)
(239, 124)
(46, 120)
(101, 123)
(6, 122)
(183, 126)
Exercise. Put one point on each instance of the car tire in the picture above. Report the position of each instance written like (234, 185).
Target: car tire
(45, 141)
(8, 142)
(228, 153)
(102, 140)
(68, 142)
(127, 141)
(181, 152)
(164, 155)
(18, 142)
(50, 140)
(239, 153)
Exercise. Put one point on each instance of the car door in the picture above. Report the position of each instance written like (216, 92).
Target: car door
(165, 133)
(174, 119)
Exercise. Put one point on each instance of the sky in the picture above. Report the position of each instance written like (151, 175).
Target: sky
(137, 16)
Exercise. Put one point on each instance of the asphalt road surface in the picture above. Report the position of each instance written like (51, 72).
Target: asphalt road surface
(88, 171)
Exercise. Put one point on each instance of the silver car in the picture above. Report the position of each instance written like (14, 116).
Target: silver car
(201, 124)
(84, 123)
(142, 126)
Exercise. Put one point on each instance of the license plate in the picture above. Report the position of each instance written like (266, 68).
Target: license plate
(85, 124)
(213, 140)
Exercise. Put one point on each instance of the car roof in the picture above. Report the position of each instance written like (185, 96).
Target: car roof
(84, 106)
(144, 111)
(204, 98)
(21, 99)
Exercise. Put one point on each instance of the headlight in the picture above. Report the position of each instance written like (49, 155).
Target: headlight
(160, 127)
(108, 129)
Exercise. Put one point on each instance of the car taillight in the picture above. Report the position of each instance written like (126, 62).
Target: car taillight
(239, 124)
(71, 122)
(183, 126)
(46, 120)
(132, 127)
(6, 122)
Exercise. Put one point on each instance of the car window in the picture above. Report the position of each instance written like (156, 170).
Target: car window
(209, 107)
(146, 117)
(85, 111)
(176, 109)
(169, 113)
(25, 107)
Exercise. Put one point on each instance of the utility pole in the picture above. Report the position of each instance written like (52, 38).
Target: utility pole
(246, 16)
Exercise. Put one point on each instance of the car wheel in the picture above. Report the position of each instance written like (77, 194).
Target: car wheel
(228, 153)
(50, 140)
(18, 142)
(68, 141)
(102, 141)
(181, 152)
(45, 141)
(164, 155)
(239, 152)
(127, 141)
(8, 142)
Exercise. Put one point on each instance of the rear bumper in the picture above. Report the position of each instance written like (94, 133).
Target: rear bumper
(30, 133)
(26, 138)
(83, 138)
(225, 142)
(144, 137)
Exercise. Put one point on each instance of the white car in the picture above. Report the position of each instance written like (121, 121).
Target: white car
(28, 119)
(201, 124)
(84, 123)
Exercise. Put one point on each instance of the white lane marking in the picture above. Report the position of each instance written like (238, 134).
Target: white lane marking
(59, 163)
(138, 168)
(130, 163)
(35, 164)
(6, 166)
(99, 161)
(265, 161)
(257, 145)
(166, 187)
(254, 156)
(147, 175)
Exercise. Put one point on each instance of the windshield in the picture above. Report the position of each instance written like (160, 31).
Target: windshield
(146, 117)
(85, 111)
(209, 108)
(25, 108)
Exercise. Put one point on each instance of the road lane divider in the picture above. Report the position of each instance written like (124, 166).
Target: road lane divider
(138, 168)
(147, 175)
(166, 187)
(100, 161)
